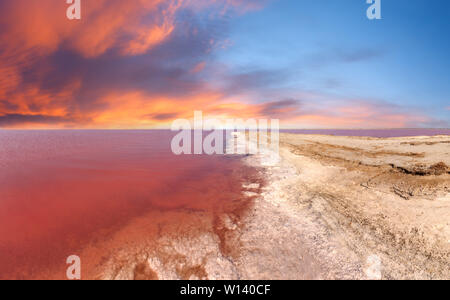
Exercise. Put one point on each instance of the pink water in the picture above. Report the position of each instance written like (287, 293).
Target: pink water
(60, 191)
(379, 133)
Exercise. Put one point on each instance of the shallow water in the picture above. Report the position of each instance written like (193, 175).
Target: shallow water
(61, 191)
(378, 133)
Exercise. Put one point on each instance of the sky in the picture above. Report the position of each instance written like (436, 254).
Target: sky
(139, 64)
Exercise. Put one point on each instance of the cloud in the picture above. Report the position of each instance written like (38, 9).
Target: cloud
(358, 113)
(53, 69)
(253, 79)
(357, 55)
(105, 24)
(280, 109)
(130, 27)
(343, 56)
(163, 116)
(10, 120)
(323, 111)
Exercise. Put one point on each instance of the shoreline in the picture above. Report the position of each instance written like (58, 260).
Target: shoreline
(327, 209)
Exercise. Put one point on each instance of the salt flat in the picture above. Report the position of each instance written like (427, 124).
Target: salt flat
(360, 204)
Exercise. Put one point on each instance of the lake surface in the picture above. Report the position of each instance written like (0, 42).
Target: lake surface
(61, 191)
(379, 133)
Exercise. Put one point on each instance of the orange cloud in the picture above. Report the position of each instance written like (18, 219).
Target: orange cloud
(137, 110)
(43, 25)
(134, 26)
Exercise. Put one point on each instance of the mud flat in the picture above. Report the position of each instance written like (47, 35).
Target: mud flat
(327, 208)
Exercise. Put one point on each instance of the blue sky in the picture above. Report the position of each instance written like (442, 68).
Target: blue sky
(331, 47)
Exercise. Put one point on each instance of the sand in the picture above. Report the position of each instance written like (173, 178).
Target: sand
(328, 208)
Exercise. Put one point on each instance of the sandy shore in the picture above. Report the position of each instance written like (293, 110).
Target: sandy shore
(329, 208)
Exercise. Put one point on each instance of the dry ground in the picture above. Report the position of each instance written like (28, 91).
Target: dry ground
(370, 197)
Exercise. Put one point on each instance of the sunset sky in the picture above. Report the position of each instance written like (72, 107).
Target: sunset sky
(143, 63)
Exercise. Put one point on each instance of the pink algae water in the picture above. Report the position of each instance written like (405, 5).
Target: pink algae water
(378, 133)
(61, 191)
